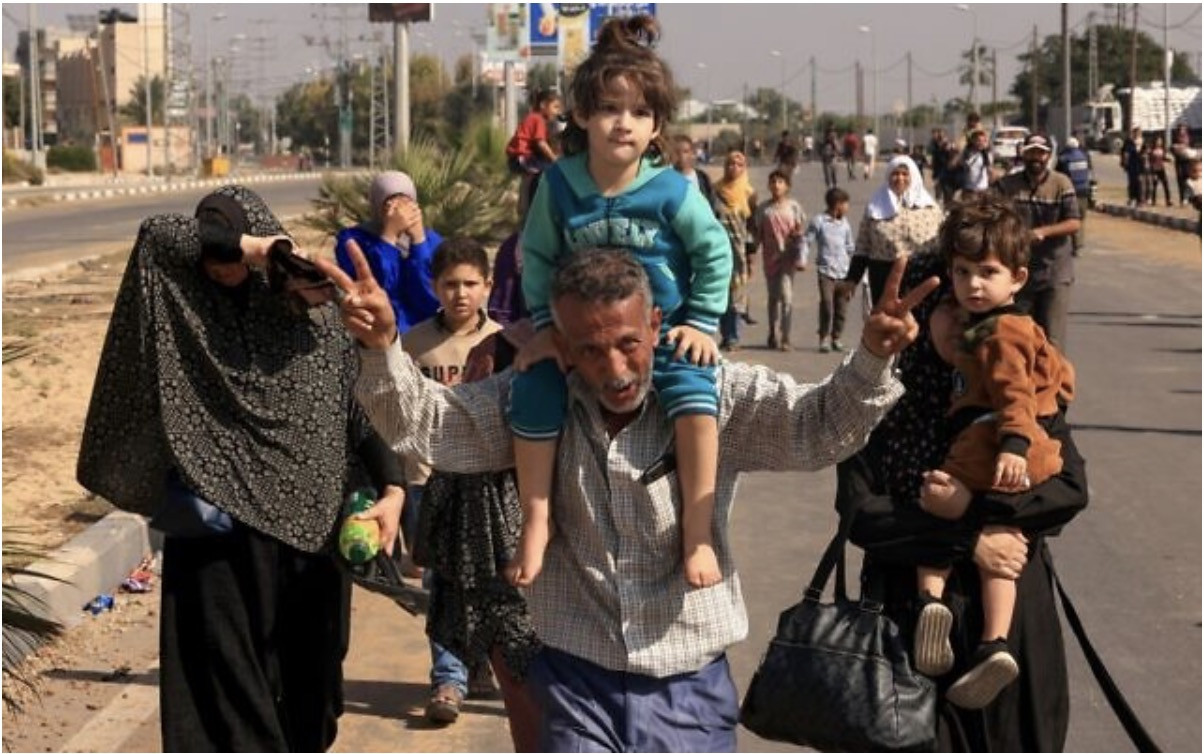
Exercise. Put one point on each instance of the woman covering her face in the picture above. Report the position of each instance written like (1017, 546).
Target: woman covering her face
(223, 410)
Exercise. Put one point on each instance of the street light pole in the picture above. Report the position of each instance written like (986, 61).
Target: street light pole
(782, 87)
(874, 62)
(209, 87)
(703, 67)
(146, 79)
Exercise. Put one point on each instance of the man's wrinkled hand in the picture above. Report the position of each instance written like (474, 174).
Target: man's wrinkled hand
(891, 326)
(367, 312)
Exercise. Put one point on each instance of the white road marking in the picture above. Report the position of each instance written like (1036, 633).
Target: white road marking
(109, 728)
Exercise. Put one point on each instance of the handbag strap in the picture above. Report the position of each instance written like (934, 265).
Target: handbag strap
(833, 558)
(1128, 719)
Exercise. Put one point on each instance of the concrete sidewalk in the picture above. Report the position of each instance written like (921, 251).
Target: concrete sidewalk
(101, 189)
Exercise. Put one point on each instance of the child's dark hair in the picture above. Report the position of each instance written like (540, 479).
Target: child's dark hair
(777, 173)
(544, 96)
(834, 196)
(456, 251)
(983, 225)
(624, 48)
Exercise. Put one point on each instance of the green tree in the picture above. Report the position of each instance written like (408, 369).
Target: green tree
(246, 119)
(542, 76)
(12, 101)
(306, 114)
(134, 111)
(986, 72)
(463, 105)
(1114, 55)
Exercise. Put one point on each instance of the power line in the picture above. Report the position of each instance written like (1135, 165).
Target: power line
(1144, 21)
(837, 71)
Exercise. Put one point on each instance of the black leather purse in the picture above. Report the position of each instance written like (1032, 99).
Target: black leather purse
(838, 677)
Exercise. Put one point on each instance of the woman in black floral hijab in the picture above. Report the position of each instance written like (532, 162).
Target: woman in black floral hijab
(880, 486)
(214, 395)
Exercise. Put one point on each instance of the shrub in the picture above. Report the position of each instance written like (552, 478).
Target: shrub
(17, 170)
(77, 159)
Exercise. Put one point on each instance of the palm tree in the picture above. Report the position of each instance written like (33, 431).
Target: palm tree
(986, 74)
(464, 191)
(24, 616)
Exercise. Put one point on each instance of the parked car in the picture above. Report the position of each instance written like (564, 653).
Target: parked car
(1005, 141)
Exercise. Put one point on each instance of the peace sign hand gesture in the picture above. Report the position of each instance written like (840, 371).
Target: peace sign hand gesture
(891, 326)
(366, 310)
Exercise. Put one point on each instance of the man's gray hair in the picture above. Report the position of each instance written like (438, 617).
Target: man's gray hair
(600, 276)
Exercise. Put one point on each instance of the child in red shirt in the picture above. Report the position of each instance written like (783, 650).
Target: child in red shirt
(528, 151)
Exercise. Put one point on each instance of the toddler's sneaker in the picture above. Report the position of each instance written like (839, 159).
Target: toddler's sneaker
(932, 652)
(994, 668)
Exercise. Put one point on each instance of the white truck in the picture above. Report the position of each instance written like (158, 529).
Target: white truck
(1101, 122)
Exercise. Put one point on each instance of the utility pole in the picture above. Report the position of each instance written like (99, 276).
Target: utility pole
(146, 78)
(1092, 57)
(168, 75)
(814, 110)
(860, 91)
(401, 84)
(744, 127)
(510, 103)
(1067, 82)
(994, 87)
(35, 87)
(1133, 54)
(911, 131)
(1036, 72)
(1166, 80)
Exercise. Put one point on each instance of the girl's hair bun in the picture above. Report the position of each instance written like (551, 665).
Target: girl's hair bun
(623, 33)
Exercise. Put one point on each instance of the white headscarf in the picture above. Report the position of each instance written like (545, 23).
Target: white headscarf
(884, 204)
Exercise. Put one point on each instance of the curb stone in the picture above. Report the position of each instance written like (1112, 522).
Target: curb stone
(94, 562)
(1185, 224)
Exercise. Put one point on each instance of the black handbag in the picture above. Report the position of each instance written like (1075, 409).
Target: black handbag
(838, 677)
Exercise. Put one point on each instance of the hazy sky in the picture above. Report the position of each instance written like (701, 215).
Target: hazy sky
(733, 40)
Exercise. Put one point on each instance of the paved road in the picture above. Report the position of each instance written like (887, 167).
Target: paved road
(1132, 560)
(34, 236)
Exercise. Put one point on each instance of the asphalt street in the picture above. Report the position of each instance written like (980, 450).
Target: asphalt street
(1131, 560)
(35, 236)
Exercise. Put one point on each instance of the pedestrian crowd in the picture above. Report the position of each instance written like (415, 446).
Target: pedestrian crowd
(554, 439)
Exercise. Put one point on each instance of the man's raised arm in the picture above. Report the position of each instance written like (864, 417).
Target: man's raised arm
(461, 430)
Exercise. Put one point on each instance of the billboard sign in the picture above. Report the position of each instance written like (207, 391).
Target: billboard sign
(544, 29)
(382, 13)
(506, 34)
(567, 30)
(599, 12)
(573, 20)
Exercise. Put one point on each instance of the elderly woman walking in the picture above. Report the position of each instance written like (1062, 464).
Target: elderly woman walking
(902, 219)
